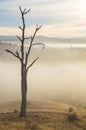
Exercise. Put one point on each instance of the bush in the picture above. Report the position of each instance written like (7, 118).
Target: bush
(70, 109)
(72, 116)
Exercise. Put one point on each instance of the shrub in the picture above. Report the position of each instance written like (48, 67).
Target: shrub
(72, 116)
(70, 109)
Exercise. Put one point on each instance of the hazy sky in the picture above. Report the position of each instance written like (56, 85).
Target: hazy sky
(62, 18)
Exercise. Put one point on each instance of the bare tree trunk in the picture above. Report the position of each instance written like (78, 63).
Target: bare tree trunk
(23, 58)
(23, 91)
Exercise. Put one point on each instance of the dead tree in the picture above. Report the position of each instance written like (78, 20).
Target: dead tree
(23, 57)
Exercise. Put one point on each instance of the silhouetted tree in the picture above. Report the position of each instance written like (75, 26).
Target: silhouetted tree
(23, 56)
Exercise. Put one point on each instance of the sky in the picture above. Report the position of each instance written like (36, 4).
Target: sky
(59, 18)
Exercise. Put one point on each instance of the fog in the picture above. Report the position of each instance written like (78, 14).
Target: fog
(59, 74)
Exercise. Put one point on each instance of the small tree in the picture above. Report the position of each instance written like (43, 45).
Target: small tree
(23, 56)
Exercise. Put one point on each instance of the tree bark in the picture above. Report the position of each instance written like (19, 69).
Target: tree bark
(23, 91)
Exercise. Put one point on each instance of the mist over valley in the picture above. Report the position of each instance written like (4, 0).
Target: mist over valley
(59, 74)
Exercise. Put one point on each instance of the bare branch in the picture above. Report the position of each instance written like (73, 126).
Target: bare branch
(32, 38)
(20, 28)
(9, 51)
(19, 38)
(25, 12)
(23, 35)
(20, 9)
(17, 54)
(38, 27)
(14, 54)
(32, 63)
(39, 44)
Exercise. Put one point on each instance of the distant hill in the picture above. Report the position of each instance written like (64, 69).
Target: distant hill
(46, 39)
(7, 38)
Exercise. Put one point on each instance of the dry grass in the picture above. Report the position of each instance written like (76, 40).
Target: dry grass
(44, 120)
(40, 121)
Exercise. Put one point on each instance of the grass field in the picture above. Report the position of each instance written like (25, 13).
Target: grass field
(41, 115)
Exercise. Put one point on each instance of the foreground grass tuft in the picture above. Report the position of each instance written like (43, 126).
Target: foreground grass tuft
(40, 121)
